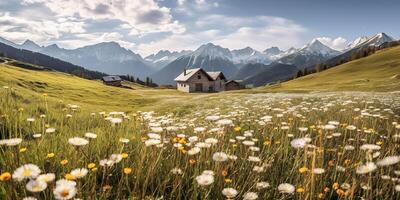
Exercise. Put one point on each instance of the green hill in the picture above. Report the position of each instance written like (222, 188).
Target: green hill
(30, 85)
(378, 72)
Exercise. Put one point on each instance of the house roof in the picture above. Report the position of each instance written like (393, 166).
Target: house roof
(111, 78)
(215, 75)
(190, 73)
(234, 81)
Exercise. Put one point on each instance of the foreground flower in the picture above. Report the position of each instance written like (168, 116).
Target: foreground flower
(205, 179)
(77, 141)
(91, 135)
(11, 142)
(64, 189)
(220, 157)
(230, 193)
(370, 147)
(36, 186)
(299, 143)
(286, 188)
(5, 176)
(79, 173)
(390, 160)
(127, 170)
(262, 185)
(367, 168)
(46, 177)
(26, 171)
(250, 196)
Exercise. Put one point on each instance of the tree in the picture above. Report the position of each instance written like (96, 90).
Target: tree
(305, 71)
(318, 67)
(299, 74)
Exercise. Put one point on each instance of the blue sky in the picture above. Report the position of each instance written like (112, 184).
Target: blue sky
(147, 26)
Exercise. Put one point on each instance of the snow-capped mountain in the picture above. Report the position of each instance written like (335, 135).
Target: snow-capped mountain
(164, 57)
(209, 56)
(357, 42)
(375, 40)
(315, 47)
(309, 55)
(272, 51)
(249, 55)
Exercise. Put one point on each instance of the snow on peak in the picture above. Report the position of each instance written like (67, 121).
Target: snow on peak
(375, 40)
(249, 55)
(316, 47)
(357, 42)
(213, 51)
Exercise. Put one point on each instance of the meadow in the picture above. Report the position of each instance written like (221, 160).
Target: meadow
(333, 145)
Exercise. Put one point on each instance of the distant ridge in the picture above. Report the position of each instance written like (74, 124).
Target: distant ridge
(47, 62)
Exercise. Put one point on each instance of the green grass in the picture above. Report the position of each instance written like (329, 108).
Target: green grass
(373, 73)
(90, 95)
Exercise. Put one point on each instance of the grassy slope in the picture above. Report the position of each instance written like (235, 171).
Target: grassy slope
(373, 73)
(90, 95)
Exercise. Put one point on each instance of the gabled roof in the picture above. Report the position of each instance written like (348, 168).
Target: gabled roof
(111, 78)
(190, 73)
(215, 75)
(235, 81)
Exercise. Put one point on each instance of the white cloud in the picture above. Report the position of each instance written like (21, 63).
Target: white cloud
(146, 16)
(19, 29)
(338, 43)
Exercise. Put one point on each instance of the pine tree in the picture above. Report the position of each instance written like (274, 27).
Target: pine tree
(318, 67)
(299, 74)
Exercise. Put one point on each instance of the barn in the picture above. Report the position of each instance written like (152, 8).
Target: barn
(112, 81)
(198, 80)
(233, 85)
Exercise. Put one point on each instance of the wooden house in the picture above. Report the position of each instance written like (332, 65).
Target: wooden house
(112, 81)
(233, 85)
(198, 80)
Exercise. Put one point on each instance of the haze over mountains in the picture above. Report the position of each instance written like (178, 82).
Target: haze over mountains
(164, 66)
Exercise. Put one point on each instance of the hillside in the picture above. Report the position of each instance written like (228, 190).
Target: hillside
(378, 72)
(47, 62)
(93, 96)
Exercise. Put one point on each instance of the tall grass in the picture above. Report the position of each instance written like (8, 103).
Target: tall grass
(159, 165)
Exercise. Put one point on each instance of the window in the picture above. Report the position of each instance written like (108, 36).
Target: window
(198, 76)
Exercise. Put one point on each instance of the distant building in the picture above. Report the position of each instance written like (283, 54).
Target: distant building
(112, 81)
(234, 85)
(198, 80)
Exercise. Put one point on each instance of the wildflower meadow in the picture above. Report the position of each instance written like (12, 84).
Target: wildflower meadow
(247, 146)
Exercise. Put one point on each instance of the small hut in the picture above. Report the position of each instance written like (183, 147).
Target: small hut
(112, 81)
(233, 85)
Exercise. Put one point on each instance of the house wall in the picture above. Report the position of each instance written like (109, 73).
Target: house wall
(183, 86)
(232, 86)
(190, 85)
(199, 77)
(219, 85)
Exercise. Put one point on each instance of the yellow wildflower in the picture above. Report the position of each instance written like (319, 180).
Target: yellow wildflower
(124, 155)
(91, 165)
(50, 155)
(5, 176)
(127, 170)
(64, 162)
(300, 190)
(23, 150)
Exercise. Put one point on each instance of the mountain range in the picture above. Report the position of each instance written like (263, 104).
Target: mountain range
(164, 66)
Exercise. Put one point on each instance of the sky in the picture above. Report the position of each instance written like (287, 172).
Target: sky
(147, 26)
